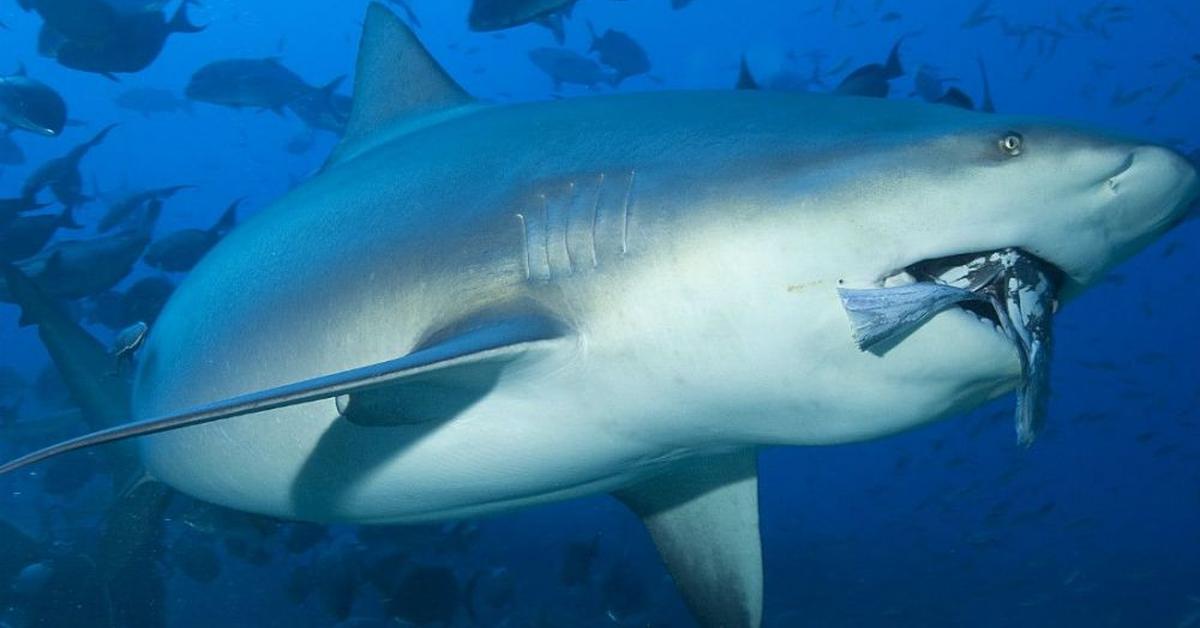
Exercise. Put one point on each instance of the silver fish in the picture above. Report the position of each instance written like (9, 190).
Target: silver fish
(1015, 284)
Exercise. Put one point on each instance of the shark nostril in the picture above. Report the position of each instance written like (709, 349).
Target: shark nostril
(1114, 180)
(1125, 166)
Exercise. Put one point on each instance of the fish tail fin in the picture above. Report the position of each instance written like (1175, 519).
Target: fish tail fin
(99, 137)
(592, 31)
(180, 23)
(228, 219)
(328, 90)
(66, 219)
(988, 105)
(894, 69)
(745, 78)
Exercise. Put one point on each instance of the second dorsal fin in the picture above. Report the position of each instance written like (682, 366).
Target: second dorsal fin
(396, 77)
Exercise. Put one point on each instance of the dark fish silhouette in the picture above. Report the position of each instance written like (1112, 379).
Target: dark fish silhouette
(565, 66)
(29, 104)
(745, 79)
(183, 249)
(121, 210)
(86, 21)
(323, 108)
(872, 80)
(25, 236)
(979, 16)
(620, 52)
(956, 97)
(141, 302)
(129, 43)
(61, 174)
(495, 15)
(73, 269)
(262, 83)
(10, 208)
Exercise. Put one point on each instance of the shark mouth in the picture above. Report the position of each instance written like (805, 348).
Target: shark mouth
(1009, 289)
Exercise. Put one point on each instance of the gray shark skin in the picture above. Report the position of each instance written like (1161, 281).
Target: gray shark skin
(477, 308)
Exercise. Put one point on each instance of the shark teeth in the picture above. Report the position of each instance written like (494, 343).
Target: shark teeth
(1011, 291)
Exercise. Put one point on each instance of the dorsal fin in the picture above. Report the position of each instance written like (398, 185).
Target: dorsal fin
(395, 77)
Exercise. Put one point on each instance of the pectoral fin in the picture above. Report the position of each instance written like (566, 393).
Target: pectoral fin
(447, 369)
(703, 517)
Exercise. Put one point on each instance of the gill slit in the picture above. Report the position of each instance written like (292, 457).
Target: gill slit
(625, 213)
(595, 217)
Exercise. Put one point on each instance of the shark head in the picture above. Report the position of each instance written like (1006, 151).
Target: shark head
(884, 191)
(1082, 200)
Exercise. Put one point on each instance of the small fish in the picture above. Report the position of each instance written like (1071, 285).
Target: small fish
(881, 316)
(929, 84)
(25, 236)
(872, 80)
(11, 208)
(494, 15)
(620, 52)
(955, 97)
(29, 104)
(181, 250)
(122, 209)
(1020, 292)
(261, 83)
(128, 341)
(61, 174)
(322, 108)
(979, 15)
(565, 66)
(125, 42)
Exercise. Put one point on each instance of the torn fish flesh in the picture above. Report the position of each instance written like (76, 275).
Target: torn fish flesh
(1015, 290)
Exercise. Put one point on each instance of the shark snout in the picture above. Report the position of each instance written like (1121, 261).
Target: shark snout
(1157, 185)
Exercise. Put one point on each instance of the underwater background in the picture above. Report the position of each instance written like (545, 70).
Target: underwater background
(1097, 524)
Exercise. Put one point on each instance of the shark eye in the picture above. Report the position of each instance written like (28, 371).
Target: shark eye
(1012, 143)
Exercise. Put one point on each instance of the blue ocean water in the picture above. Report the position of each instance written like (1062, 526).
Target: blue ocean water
(1097, 524)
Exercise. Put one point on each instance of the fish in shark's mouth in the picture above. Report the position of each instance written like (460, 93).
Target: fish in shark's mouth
(1010, 288)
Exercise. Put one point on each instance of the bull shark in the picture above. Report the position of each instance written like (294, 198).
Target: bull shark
(476, 308)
